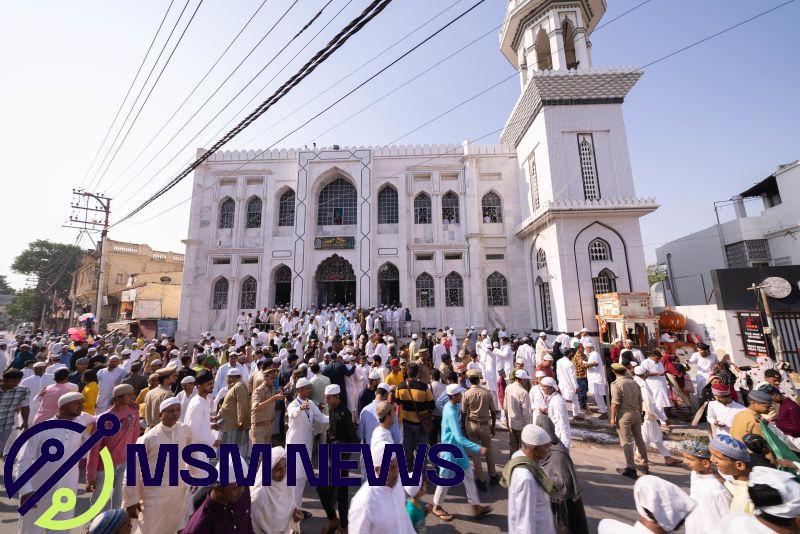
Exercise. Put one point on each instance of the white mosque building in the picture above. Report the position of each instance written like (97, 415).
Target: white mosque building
(522, 234)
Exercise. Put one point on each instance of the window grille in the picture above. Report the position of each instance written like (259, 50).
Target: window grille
(748, 253)
(422, 209)
(541, 259)
(254, 213)
(338, 204)
(591, 190)
(286, 209)
(497, 289)
(453, 290)
(283, 275)
(495, 256)
(544, 304)
(219, 299)
(425, 296)
(599, 250)
(388, 211)
(605, 282)
(226, 213)
(492, 208)
(247, 296)
(450, 212)
(534, 182)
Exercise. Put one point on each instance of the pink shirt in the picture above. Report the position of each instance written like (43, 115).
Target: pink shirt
(116, 444)
(49, 400)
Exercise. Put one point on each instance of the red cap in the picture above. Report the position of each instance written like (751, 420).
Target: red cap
(394, 362)
(720, 389)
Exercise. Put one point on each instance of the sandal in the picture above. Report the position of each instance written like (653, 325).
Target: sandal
(481, 510)
(441, 514)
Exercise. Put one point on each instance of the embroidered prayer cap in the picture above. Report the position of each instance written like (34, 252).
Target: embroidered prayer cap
(730, 447)
(661, 501)
(695, 447)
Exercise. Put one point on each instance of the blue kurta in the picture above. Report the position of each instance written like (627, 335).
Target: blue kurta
(451, 434)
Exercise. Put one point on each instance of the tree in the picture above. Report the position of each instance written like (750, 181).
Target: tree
(52, 263)
(656, 273)
(5, 289)
(26, 305)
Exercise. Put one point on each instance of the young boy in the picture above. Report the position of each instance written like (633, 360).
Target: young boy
(706, 489)
(731, 458)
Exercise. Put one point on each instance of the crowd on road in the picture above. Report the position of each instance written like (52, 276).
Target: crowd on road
(343, 375)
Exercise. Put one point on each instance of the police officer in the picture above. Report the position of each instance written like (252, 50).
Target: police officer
(480, 412)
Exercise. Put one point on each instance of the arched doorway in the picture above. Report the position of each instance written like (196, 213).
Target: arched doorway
(283, 286)
(388, 285)
(336, 282)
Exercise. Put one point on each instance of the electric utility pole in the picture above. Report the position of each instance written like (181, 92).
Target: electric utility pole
(91, 211)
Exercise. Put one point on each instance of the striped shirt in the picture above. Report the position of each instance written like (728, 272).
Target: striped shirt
(10, 401)
(413, 395)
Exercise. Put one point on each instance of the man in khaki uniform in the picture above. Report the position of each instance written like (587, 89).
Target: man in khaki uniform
(477, 406)
(154, 397)
(262, 405)
(626, 409)
(234, 413)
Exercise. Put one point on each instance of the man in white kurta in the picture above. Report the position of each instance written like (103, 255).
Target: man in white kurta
(656, 380)
(653, 418)
(35, 384)
(302, 414)
(596, 375)
(557, 410)
(160, 508)
(526, 353)
(721, 410)
(505, 356)
(198, 411)
(528, 503)
(542, 347)
(70, 406)
(705, 361)
(107, 380)
(568, 383)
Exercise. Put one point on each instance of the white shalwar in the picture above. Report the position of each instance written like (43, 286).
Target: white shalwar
(658, 384)
(379, 510)
(597, 380)
(705, 366)
(713, 503)
(557, 412)
(163, 507)
(30, 451)
(653, 416)
(720, 416)
(568, 383)
(301, 431)
(528, 504)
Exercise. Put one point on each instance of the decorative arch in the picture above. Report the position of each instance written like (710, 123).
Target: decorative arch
(545, 305)
(388, 284)
(254, 210)
(453, 290)
(337, 203)
(497, 289)
(492, 207)
(604, 282)
(568, 34)
(541, 259)
(425, 291)
(219, 294)
(248, 293)
(422, 209)
(282, 284)
(388, 206)
(336, 281)
(286, 207)
(544, 57)
(450, 208)
(599, 250)
(227, 212)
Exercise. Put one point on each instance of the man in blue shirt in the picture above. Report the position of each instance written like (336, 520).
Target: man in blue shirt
(451, 434)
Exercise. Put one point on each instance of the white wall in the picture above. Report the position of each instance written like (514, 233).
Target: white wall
(718, 328)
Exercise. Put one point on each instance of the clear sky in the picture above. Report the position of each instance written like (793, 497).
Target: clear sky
(702, 126)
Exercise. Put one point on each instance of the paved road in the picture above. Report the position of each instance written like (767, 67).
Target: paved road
(605, 493)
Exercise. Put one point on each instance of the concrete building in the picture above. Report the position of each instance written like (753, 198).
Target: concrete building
(125, 263)
(771, 238)
(521, 234)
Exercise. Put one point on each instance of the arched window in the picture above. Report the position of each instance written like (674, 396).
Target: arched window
(226, 212)
(450, 210)
(492, 206)
(605, 282)
(568, 33)
(286, 209)
(544, 58)
(388, 285)
(247, 294)
(422, 209)
(497, 289)
(283, 285)
(219, 297)
(254, 213)
(599, 250)
(453, 290)
(425, 298)
(544, 303)
(338, 202)
(541, 259)
(591, 188)
(388, 212)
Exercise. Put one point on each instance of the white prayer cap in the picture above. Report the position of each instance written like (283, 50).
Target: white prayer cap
(386, 387)
(785, 484)
(277, 453)
(172, 401)
(66, 398)
(174, 352)
(374, 375)
(535, 435)
(587, 343)
(575, 334)
(454, 389)
(548, 381)
(188, 380)
(520, 360)
(125, 352)
(156, 362)
(548, 357)
(121, 389)
(332, 389)
(302, 366)
(639, 370)
(235, 372)
(312, 361)
(413, 336)
(539, 374)
(302, 382)
(113, 357)
(347, 358)
(584, 330)
(39, 364)
(542, 334)
(522, 374)
(663, 501)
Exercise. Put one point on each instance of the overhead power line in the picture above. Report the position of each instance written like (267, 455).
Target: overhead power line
(355, 26)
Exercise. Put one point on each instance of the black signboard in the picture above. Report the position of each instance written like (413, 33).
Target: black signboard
(730, 287)
(753, 338)
(331, 243)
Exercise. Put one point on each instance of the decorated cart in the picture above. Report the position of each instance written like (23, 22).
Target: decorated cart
(626, 316)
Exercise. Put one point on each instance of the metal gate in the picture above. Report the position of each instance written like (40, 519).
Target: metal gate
(787, 325)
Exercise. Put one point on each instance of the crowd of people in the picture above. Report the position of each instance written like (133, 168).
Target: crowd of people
(343, 375)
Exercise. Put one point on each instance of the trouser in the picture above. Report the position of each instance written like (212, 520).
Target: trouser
(598, 392)
(651, 434)
(481, 433)
(576, 407)
(514, 441)
(5, 433)
(629, 430)
(261, 433)
(239, 438)
(299, 488)
(116, 495)
(333, 499)
(413, 435)
(583, 388)
(433, 439)
(469, 485)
